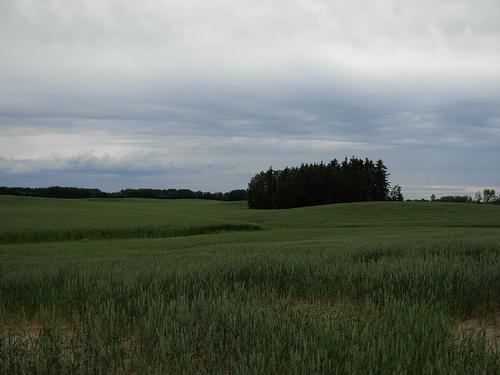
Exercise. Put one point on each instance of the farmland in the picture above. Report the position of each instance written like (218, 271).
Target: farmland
(189, 286)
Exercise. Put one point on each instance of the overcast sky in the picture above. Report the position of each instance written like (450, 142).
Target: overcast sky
(203, 94)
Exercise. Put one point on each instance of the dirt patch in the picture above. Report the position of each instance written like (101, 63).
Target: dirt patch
(30, 332)
(487, 326)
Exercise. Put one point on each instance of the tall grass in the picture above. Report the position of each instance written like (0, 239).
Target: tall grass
(245, 335)
(292, 300)
(118, 233)
(347, 309)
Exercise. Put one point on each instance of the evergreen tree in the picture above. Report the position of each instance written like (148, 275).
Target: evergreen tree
(353, 180)
(381, 181)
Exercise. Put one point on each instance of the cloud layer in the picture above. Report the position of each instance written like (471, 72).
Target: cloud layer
(203, 94)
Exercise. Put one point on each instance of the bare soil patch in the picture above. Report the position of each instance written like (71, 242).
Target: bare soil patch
(479, 326)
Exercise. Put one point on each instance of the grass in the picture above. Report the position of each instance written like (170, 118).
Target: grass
(115, 233)
(351, 288)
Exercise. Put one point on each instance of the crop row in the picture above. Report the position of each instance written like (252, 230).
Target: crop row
(309, 308)
(118, 233)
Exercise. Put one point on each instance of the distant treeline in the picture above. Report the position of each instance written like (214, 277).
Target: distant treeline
(487, 196)
(74, 192)
(352, 180)
(454, 199)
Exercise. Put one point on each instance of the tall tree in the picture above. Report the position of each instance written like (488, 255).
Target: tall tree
(381, 181)
(396, 194)
(489, 195)
(353, 180)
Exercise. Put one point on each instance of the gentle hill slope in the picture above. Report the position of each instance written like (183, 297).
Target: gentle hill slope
(376, 287)
(42, 219)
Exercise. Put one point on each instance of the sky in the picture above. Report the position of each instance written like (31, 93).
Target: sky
(204, 94)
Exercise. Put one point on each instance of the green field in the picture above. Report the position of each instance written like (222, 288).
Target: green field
(195, 287)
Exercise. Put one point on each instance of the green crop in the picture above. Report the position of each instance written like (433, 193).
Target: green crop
(365, 288)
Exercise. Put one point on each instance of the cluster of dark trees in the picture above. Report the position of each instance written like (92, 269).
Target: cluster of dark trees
(74, 192)
(233, 195)
(53, 192)
(352, 180)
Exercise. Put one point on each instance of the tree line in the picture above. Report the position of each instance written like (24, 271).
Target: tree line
(487, 196)
(75, 192)
(352, 180)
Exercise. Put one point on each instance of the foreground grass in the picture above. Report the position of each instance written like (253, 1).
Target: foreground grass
(362, 288)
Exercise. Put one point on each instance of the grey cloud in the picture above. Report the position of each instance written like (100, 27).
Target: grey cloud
(130, 92)
(140, 163)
